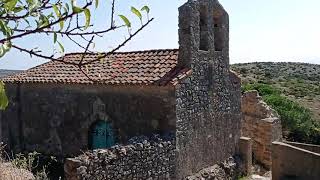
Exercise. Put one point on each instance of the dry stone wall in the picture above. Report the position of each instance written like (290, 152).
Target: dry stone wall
(261, 124)
(144, 158)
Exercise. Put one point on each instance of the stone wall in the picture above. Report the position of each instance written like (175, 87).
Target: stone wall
(55, 119)
(143, 158)
(209, 100)
(290, 162)
(310, 147)
(261, 124)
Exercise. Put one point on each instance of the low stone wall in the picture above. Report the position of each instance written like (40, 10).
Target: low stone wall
(290, 162)
(309, 147)
(261, 124)
(144, 158)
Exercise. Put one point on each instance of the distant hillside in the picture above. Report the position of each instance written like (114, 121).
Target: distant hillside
(4, 72)
(299, 82)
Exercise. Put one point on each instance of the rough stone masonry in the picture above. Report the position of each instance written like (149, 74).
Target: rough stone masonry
(143, 158)
(208, 101)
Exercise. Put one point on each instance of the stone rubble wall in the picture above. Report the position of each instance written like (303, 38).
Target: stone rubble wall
(226, 170)
(143, 158)
(261, 124)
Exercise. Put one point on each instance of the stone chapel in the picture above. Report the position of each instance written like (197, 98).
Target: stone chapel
(190, 92)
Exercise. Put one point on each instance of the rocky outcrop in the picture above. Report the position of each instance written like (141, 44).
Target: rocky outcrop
(262, 124)
(226, 170)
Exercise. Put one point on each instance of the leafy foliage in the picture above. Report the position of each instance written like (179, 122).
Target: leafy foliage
(263, 89)
(295, 118)
(3, 97)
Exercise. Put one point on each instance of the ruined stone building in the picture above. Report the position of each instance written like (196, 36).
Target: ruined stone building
(190, 91)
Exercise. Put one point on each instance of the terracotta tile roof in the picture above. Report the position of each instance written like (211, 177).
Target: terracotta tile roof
(157, 67)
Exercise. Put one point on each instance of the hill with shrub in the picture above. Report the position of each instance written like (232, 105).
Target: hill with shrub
(293, 90)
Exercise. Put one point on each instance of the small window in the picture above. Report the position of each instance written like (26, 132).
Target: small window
(218, 35)
(203, 23)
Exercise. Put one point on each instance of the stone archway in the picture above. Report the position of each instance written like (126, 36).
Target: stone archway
(99, 127)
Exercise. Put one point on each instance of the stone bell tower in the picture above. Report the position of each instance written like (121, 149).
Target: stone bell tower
(208, 101)
(203, 29)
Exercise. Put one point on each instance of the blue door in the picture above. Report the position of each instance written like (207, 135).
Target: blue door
(102, 135)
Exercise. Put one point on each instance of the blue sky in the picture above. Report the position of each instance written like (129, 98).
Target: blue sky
(260, 30)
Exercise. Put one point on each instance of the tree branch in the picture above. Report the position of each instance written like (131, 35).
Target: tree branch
(86, 50)
(31, 52)
(44, 27)
(70, 33)
(120, 45)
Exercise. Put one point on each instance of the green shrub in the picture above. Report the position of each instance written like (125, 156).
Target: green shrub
(263, 89)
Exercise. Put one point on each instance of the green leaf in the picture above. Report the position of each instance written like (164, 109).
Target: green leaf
(61, 47)
(2, 52)
(56, 10)
(145, 8)
(96, 3)
(17, 9)
(58, 13)
(136, 12)
(125, 20)
(43, 21)
(61, 23)
(7, 46)
(3, 98)
(3, 27)
(11, 4)
(33, 5)
(88, 17)
(55, 37)
(76, 9)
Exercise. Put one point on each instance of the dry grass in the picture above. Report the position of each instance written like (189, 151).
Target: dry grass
(9, 172)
